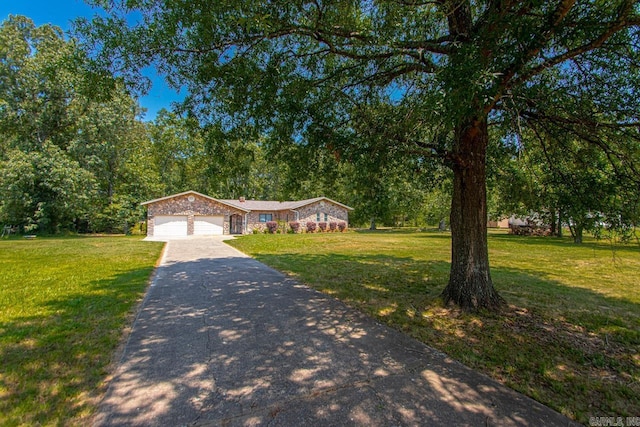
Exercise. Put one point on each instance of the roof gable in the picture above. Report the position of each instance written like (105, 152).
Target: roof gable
(191, 192)
(306, 202)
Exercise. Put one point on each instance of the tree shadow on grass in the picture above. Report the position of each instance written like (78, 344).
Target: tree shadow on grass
(572, 348)
(538, 241)
(54, 364)
(599, 245)
(406, 230)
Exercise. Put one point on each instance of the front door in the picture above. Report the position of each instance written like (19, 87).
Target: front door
(235, 226)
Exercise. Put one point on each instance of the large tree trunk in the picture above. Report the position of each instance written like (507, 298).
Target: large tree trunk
(576, 232)
(470, 284)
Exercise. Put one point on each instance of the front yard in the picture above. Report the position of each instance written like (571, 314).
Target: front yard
(569, 338)
(63, 304)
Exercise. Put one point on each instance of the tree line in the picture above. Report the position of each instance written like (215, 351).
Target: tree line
(75, 155)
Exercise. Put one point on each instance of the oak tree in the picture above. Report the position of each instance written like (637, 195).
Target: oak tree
(443, 71)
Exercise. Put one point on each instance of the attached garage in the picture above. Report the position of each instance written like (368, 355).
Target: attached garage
(192, 214)
(170, 225)
(208, 225)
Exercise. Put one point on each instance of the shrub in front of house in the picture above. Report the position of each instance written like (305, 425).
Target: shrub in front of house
(272, 226)
(311, 226)
(342, 226)
(322, 226)
(295, 226)
(333, 226)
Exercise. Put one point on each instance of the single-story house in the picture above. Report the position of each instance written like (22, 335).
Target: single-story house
(192, 213)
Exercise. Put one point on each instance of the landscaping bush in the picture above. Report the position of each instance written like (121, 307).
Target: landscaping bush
(311, 226)
(342, 226)
(322, 226)
(295, 226)
(333, 226)
(272, 226)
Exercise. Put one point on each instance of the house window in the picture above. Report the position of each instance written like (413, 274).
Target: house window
(326, 217)
(266, 217)
(318, 217)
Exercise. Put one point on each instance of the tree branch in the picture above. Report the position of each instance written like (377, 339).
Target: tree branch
(532, 50)
(588, 131)
(624, 20)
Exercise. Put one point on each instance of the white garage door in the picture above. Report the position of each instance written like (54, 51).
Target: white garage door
(208, 225)
(170, 225)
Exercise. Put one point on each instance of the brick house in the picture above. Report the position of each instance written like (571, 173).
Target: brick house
(192, 213)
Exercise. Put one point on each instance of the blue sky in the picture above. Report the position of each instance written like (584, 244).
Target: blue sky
(61, 13)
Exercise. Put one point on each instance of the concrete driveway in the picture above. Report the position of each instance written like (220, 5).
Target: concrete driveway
(222, 339)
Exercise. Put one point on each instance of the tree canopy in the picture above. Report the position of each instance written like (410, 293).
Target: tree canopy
(427, 77)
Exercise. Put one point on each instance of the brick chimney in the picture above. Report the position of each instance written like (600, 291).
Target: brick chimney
(241, 199)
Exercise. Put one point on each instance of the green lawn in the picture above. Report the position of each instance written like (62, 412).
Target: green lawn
(569, 337)
(63, 305)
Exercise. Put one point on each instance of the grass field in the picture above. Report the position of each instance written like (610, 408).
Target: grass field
(569, 337)
(63, 305)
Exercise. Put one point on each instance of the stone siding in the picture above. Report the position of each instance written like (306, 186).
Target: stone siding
(181, 205)
(308, 213)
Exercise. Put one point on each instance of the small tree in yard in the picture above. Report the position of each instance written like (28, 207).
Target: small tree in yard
(417, 80)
